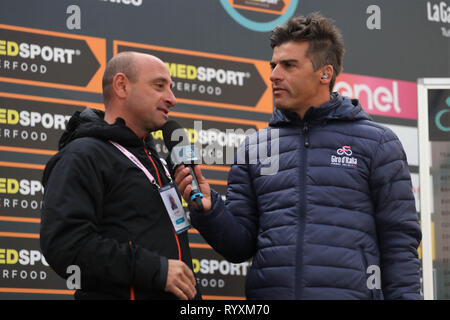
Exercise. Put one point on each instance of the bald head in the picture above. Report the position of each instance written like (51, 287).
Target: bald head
(137, 88)
(127, 63)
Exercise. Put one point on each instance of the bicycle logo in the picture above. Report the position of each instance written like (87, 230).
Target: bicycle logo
(344, 150)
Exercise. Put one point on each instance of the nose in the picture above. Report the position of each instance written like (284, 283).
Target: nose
(170, 99)
(275, 76)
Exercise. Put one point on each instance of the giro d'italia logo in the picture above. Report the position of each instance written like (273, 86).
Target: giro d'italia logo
(344, 157)
(281, 9)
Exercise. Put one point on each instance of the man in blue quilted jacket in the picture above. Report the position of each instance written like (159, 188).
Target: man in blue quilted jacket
(337, 218)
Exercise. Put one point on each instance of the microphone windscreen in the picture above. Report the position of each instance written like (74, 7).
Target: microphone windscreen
(174, 134)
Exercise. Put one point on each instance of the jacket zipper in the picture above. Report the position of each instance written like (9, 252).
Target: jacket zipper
(302, 215)
(305, 133)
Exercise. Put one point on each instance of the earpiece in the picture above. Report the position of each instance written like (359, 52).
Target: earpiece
(325, 76)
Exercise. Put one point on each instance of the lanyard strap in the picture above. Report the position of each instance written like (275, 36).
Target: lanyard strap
(136, 161)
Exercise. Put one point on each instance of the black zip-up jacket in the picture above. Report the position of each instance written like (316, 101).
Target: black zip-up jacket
(101, 213)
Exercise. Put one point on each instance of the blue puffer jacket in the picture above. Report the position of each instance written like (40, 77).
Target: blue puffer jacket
(336, 220)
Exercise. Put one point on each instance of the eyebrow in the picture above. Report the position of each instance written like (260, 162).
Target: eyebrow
(285, 61)
(161, 79)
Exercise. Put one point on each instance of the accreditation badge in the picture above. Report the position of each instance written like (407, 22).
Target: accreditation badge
(174, 208)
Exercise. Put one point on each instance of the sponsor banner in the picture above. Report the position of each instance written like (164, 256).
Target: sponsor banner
(51, 59)
(21, 194)
(216, 138)
(35, 124)
(23, 266)
(216, 277)
(379, 96)
(213, 80)
(278, 7)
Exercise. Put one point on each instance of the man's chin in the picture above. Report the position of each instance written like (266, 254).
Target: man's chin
(282, 107)
(158, 126)
(162, 121)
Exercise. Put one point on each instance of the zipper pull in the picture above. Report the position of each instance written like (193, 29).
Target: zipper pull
(305, 133)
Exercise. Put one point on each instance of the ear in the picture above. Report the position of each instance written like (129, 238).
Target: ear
(121, 85)
(327, 74)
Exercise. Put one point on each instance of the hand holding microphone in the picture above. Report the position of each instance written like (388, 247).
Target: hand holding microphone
(188, 176)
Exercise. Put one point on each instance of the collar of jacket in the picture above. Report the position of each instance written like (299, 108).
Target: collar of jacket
(91, 123)
(338, 108)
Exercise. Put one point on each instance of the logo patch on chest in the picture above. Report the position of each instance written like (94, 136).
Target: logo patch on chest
(344, 157)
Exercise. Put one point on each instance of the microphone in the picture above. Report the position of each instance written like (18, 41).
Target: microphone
(182, 152)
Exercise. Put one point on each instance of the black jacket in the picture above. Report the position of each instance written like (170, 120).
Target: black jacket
(102, 214)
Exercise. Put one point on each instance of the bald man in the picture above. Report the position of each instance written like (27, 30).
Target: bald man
(103, 208)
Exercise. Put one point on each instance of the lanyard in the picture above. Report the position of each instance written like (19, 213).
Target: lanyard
(136, 161)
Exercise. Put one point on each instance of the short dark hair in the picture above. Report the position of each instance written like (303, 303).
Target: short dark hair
(326, 44)
(123, 62)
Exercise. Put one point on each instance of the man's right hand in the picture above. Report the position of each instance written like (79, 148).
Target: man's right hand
(180, 280)
(183, 180)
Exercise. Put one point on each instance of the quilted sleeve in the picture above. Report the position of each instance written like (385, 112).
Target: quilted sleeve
(231, 227)
(398, 229)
